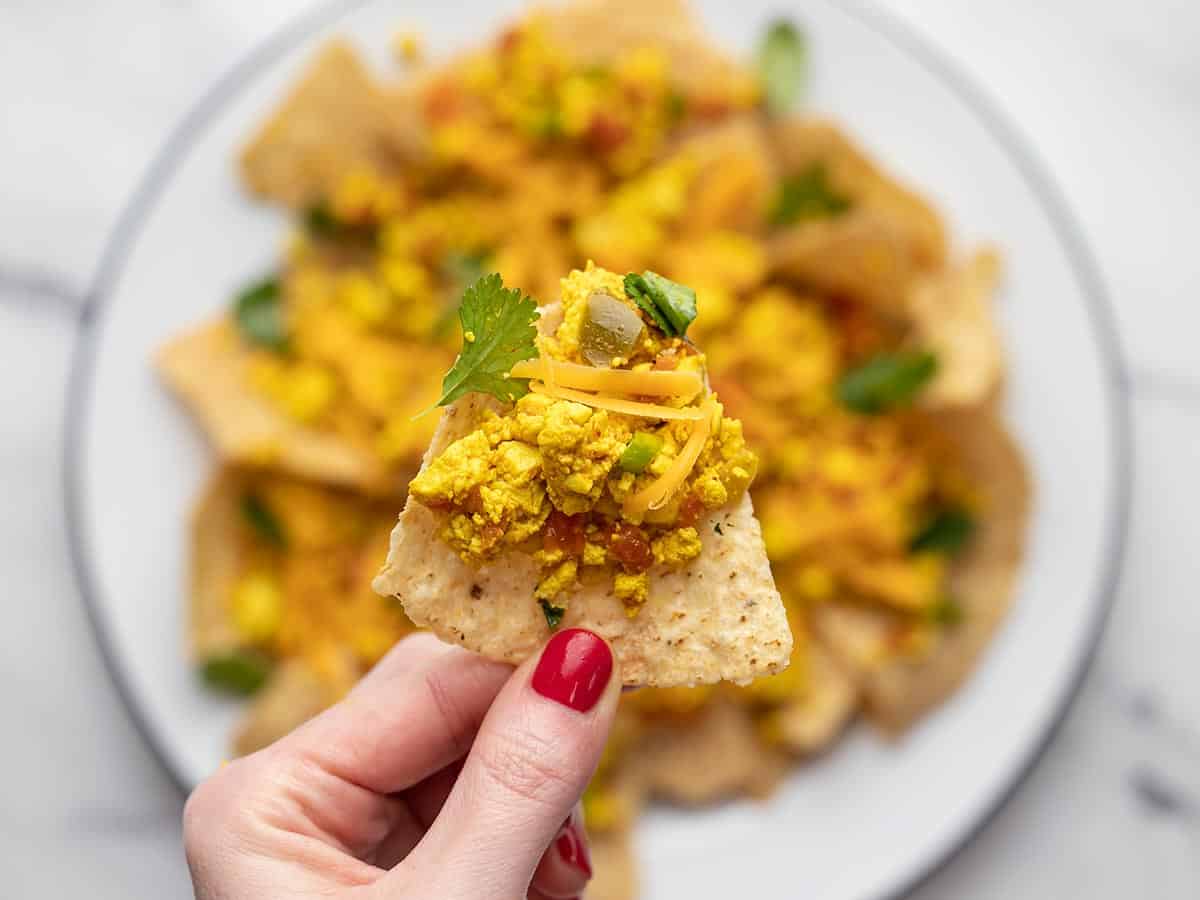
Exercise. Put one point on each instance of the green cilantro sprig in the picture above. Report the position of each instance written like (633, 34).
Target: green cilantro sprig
(671, 306)
(947, 531)
(499, 331)
(258, 312)
(263, 521)
(887, 381)
(805, 196)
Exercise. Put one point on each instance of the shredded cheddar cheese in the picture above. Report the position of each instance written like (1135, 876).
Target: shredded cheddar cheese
(656, 495)
(611, 381)
(619, 405)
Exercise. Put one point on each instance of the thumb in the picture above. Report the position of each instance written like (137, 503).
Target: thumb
(534, 754)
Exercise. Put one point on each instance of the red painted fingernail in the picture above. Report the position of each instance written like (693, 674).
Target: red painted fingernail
(573, 849)
(574, 669)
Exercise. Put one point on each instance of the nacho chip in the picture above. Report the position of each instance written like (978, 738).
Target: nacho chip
(713, 755)
(597, 31)
(206, 367)
(951, 314)
(293, 695)
(214, 567)
(718, 617)
(815, 720)
(614, 867)
(800, 144)
(336, 120)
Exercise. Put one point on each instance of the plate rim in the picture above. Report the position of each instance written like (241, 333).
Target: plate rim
(905, 37)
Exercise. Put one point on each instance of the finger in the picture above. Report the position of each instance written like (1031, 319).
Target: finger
(566, 866)
(534, 754)
(413, 715)
(422, 802)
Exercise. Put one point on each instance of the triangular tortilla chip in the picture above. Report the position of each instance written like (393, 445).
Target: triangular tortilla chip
(951, 314)
(614, 865)
(206, 367)
(336, 119)
(718, 618)
(814, 720)
(713, 755)
(802, 143)
(598, 31)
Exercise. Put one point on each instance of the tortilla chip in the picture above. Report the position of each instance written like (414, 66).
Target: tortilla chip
(713, 755)
(598, 31)
(206, 368)
(802, 143)
(898, 692)
(293, 695)
(951, 314)
(335, 120)
(718, 618)
(614, 867)
(214, 566)
(811, 723)
(859, 254)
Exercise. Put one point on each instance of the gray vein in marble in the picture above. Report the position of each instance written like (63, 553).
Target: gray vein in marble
(1161, 796)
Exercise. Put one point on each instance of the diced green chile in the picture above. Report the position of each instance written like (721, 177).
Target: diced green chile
(240, 672)
(610, 329)
(640, 452)
(671, 305)
(263, 521)
(946, 532)
(258, 311)
(887, 381)
(783, 66)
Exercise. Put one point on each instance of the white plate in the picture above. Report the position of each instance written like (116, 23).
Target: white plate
(868, 820)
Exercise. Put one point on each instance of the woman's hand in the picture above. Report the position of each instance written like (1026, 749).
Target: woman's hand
(442, 776)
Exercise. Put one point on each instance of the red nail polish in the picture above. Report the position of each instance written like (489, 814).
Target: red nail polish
(573, 849)
(574, 669)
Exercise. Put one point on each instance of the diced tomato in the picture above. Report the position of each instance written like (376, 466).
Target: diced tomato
(474, 502)
(631, 547)
(442, 102)
(605, 134)
(691, 508)
(564, 533)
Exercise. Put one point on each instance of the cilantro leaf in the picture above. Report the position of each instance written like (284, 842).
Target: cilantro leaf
(670, 305)
(263, 521)
(553, 614)
(498, 332)
(239, 672)
(783, 66)
(887, 381)
(258, 312)
(946, 532)
(807, 195)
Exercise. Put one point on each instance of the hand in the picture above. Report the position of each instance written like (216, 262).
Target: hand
(441, 776)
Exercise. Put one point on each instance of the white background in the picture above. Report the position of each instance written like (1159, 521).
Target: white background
(1111, 101)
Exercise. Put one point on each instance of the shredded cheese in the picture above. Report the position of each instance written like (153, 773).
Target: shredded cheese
(656, 495)
(619, 405)
(685, 385)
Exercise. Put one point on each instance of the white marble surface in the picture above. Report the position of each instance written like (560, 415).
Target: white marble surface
(1112, 101)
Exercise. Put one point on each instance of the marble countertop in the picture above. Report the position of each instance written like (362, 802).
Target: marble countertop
(1112, 101)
